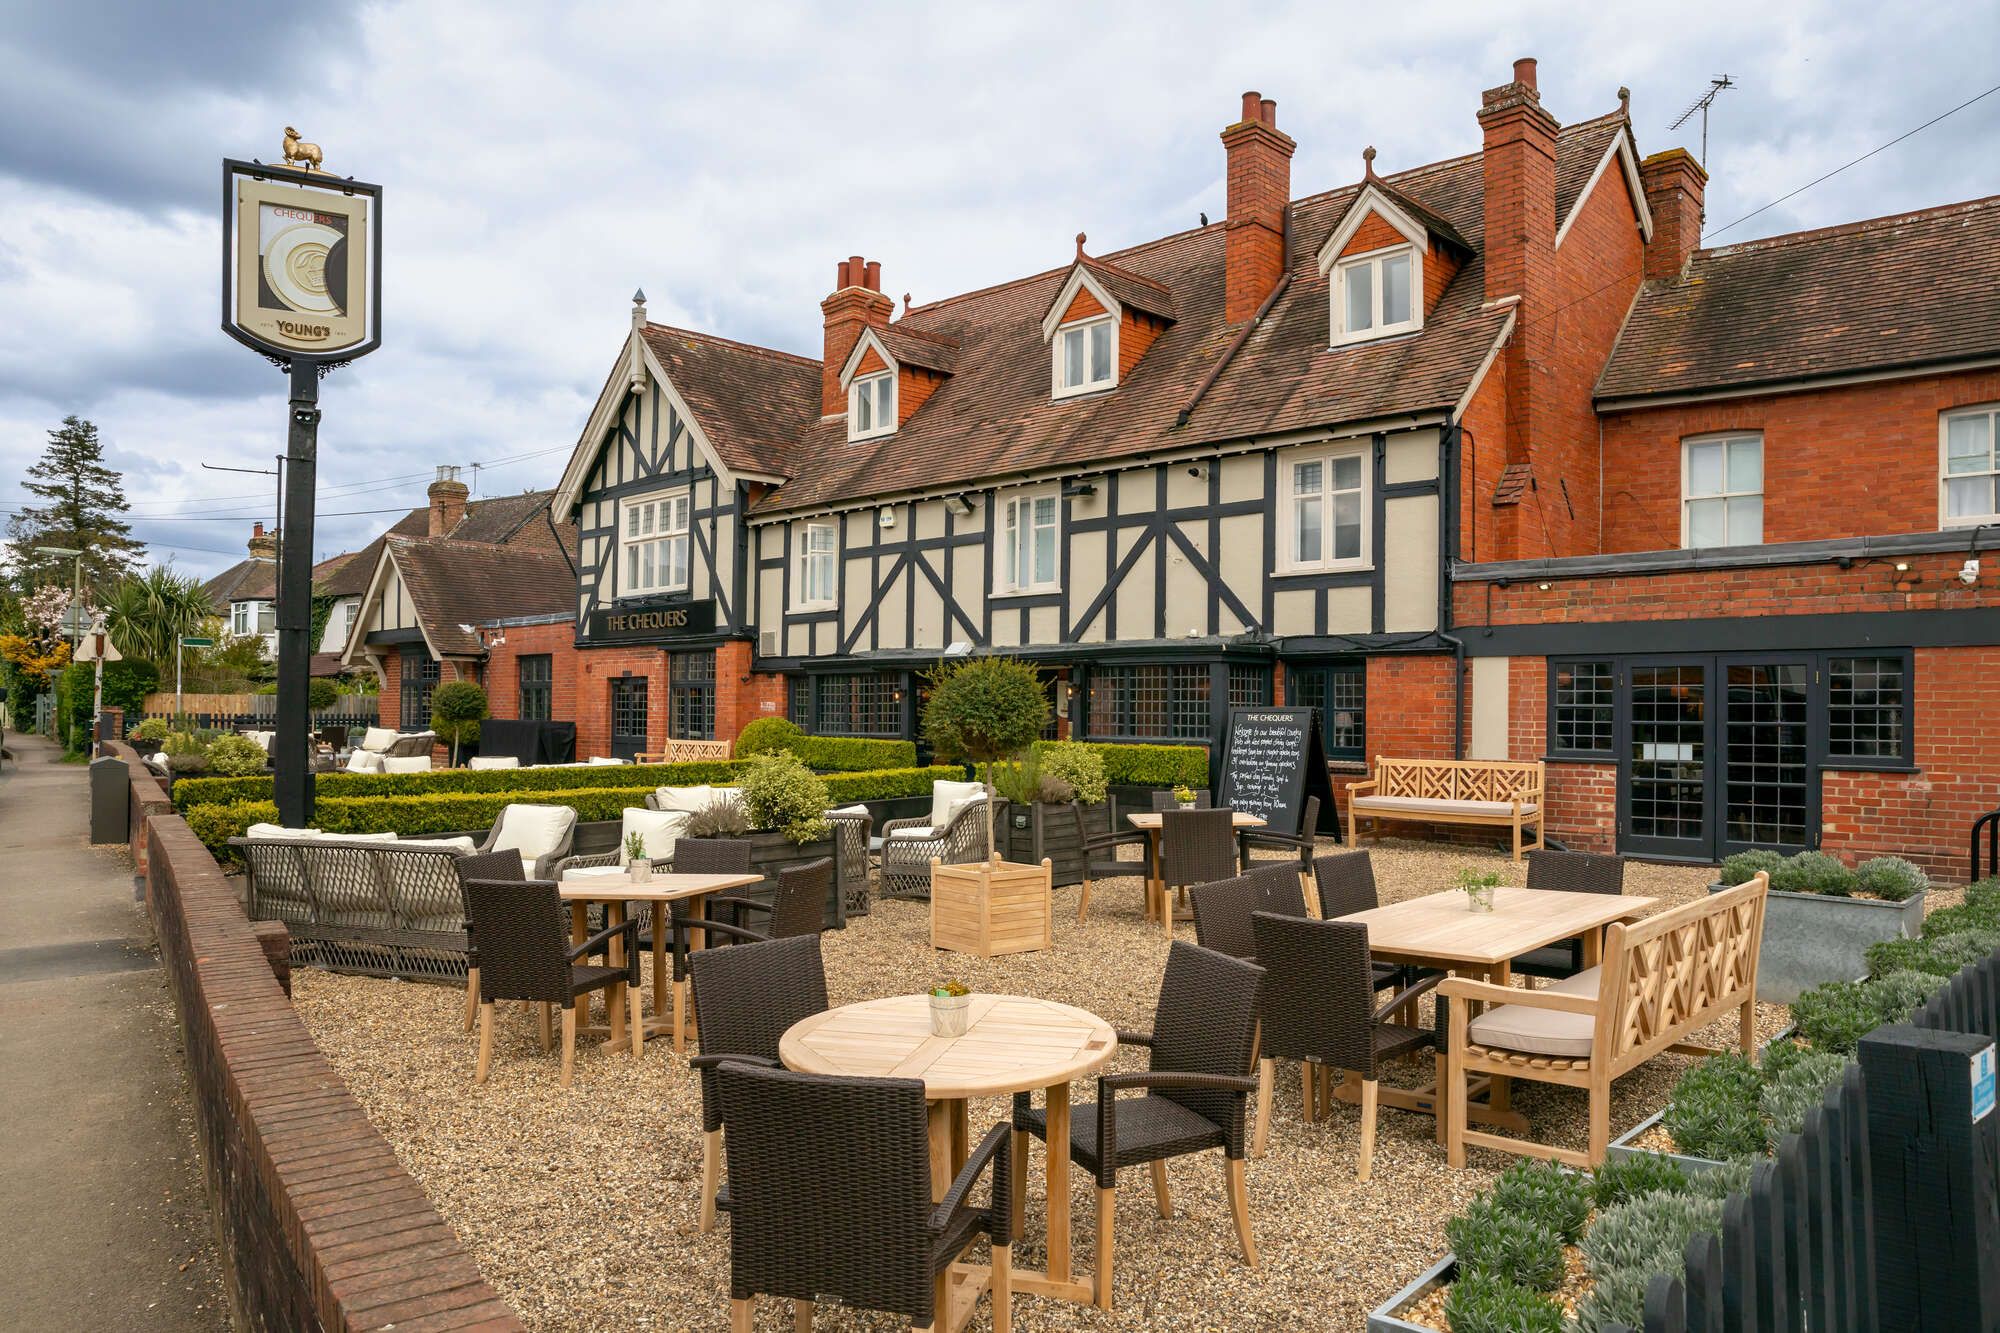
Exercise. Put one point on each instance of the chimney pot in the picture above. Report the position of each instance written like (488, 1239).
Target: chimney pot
(873, 280)
(1259, 178)
(840, 275)
(1267, 111)
(257, 529)
(1524, 71)
(1253, 106)
(855, 271)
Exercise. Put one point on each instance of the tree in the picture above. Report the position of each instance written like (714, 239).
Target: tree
(84, 499)
(984, 709)
(148, 614)
(457, 708)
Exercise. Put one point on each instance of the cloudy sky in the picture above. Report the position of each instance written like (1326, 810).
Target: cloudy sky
(542, 161)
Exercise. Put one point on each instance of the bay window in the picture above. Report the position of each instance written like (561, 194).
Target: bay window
(654, 531)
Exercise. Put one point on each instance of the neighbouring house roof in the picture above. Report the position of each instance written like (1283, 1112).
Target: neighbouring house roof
(454, 583)
(247, 580)
(1893, 292)
(506, 520)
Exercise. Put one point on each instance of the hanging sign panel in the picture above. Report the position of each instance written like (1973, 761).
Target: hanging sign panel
(302, 265)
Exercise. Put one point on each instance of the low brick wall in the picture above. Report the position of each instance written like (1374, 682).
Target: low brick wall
(320, 1227)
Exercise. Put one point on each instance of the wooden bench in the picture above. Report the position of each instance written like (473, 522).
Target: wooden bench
(1661, 979)
(680, 751)
(1496, 792)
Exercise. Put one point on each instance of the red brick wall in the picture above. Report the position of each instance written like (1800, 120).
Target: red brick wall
(1409, 706)
(739, 702)
(503, 668)
(595, 669)
(1259, 190)
(1374, 233)
(914, 386)
(1083, 305)
(1817, 447)
(1135, 334)
(1486, 531)
(390, 709)
(1582, 799)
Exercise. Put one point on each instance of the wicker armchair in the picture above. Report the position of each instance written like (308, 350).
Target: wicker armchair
(748, 997)
(1299, 844)
(523, 955)
(851, 832)
(1100, 853)
(906, 860)
(1222, 909)
(1196, 1087)
(830, 1185)
(1196, 847)
(692, 856)
(793, 909)
(1346, 883)
(1567, 872)
(1319, 1009)
(544, 866)
(483, 865)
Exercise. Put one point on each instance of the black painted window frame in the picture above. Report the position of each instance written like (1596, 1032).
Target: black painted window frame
(1615, 708)
(416, 688)
(1355, 671)
(1905, 758)
(872, 707)
(1182, 703)
(691, 695)
(536, 676)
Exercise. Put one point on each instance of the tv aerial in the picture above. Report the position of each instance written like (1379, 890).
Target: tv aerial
(1701, 104)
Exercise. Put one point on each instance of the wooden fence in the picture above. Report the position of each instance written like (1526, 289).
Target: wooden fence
(1883, 1212)
(162, 704)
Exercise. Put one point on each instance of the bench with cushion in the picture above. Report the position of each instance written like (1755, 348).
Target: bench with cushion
(1661, 979)
(1494, 792)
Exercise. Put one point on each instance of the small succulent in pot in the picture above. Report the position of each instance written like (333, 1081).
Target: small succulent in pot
(1185, 795)
(636, 860)
(950, 1008)
(1479, 886)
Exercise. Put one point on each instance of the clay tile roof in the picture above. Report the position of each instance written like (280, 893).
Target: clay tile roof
(752, 402)
(1915, 289)
(913, 347)
(1579, 150)
(1513, 484)
(246, 580)
(505, 520)
(1132, 289)
(454, 583)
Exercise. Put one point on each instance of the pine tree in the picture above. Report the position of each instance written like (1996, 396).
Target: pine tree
(84, 501)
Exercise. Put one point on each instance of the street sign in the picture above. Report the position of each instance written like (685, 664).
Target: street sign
(193, 642)
(96, 647)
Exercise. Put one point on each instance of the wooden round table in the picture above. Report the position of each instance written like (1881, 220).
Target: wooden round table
(1012, 1043)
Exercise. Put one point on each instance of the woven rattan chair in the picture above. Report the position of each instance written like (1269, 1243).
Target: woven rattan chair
(545, 865)
(1319, 1009)
(523, 955)
(851, 832)
(1197, 1087)
(1196, 847)
(1222, 910)
(692, 856)
(1346, 884)
(906, 861)
(1298, 844)
(748, 997)
(1100, 853)
(1567, 872)
(793, 909)
(830, 1195)
(484, 865)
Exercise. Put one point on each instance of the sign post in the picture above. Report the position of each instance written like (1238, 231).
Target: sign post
(97, 647)
(189, 642)
(301, 285)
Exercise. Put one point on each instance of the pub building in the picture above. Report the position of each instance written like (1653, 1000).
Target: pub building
(1482, 458)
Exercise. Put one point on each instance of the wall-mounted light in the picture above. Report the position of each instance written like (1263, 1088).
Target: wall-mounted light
(1079, 490)
(961, 504)
(1197, 471)
(1545, 586)
(886, 517)
(1902, 566)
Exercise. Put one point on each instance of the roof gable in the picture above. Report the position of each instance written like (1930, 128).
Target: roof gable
(1619, 149)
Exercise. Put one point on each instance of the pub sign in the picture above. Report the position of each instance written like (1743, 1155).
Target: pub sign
(301, 262)
(652, 624)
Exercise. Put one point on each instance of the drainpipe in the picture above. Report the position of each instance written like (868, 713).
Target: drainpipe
(1447, 541)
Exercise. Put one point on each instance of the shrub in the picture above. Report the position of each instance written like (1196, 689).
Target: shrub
(1543, 1191)
(1713, 1110)
(1814, 872)
(1966, 916)
(235, 756)
(1795, 1090)
(1078, 765)
(853, 754)
(887, 784)
(457, 709)
(1616, 1299)
(1489, 1239)
(1743, 866)
(698, 773)
(721, 819)
(1836, 1016)
(1942, 954)
(152, 729)
(983, 709)
(1482, 1303)
(1631, 1177)
(184, 751)
(767, 735)
(1890, 878)
(1631, 1242)
(1723, 1179)
(1985, 893)
(1148, 765)
(781, 793)
(321, 694)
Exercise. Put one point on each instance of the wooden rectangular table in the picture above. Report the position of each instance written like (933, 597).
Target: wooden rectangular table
(613, 886)
(1441, 931)
(1150, 823)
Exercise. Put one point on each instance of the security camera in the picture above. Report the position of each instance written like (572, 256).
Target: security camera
(1968, 573)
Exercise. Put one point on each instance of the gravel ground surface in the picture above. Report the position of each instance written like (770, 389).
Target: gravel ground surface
(580, 1205)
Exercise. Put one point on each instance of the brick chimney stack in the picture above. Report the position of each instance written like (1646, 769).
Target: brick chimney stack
(856, 304)
(1519, 169)
(1675, 184)
(447, 497)
(1260, 188)
(263, 545)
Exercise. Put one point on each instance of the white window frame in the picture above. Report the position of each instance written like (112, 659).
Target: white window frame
(1724, 438)
(1991, 411)
(656, 533)
(1373, 260)
(802, 598)
(881, 422)
(1059, 387)
(1288, 561)
(1009, 504)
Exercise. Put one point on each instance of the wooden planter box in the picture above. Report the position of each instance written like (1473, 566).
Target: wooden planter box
(992, 907)
(1814, 938)
(1031, 834)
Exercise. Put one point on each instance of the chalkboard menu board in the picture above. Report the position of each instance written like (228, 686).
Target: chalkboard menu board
(1272, 761)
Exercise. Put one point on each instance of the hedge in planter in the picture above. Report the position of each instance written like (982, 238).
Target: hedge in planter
(823, 754)
(698, 773)
(1146, 765)
(1822, 917)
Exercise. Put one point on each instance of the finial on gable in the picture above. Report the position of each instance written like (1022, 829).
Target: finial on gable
(1079, 245)
(639, 309)
(906, 303)
(1625, 103)
(1368, 162)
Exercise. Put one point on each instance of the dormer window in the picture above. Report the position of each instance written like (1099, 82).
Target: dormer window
(1374, 294)
(871, 406)
(1086, 357)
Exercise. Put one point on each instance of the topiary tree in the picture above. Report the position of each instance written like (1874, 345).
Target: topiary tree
(768, 735)
(236, 756)
(457, 709)
(322, 694)
(983, 709)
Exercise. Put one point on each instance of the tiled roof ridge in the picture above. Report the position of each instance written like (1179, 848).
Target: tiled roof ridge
(404, 539)
(1092, 261)
(944, 340)
(1851, 228)
(733, 343)
(943, 301)
(1396, 178)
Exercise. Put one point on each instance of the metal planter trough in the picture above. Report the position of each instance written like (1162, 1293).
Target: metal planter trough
(1626, 1144)
(1813, 938)
(1383, 1318)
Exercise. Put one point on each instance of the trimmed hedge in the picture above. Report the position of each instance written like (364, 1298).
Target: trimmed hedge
(216, 823)
(853, 754)
(1149, 765)
(225, 791)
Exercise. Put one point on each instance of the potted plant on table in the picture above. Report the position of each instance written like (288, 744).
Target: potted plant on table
(636, 859)
(951, 1003)
(1185, 795)
(1820, 916)
(1479, 886)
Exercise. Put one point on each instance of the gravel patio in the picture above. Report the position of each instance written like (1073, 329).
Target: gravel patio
(579, 1205)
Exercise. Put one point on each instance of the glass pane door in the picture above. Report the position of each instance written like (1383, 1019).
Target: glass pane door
(628, 716)
(1767, 777)
(1664, 767)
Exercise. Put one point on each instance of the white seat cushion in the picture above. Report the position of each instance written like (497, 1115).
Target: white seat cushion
(389, 836)
(660, 829)
(458, 844)
(535, 830)
(415, 763)
(377, 738)
(694, 800)
(364, 761)
(486, 761)
(919, 831)
(948, 798)
(278, 831)
(849, 810)
(1419, 806)
(600, 759)
(1516, 1027)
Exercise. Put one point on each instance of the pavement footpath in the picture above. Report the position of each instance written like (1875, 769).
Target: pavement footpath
(100, 1179)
